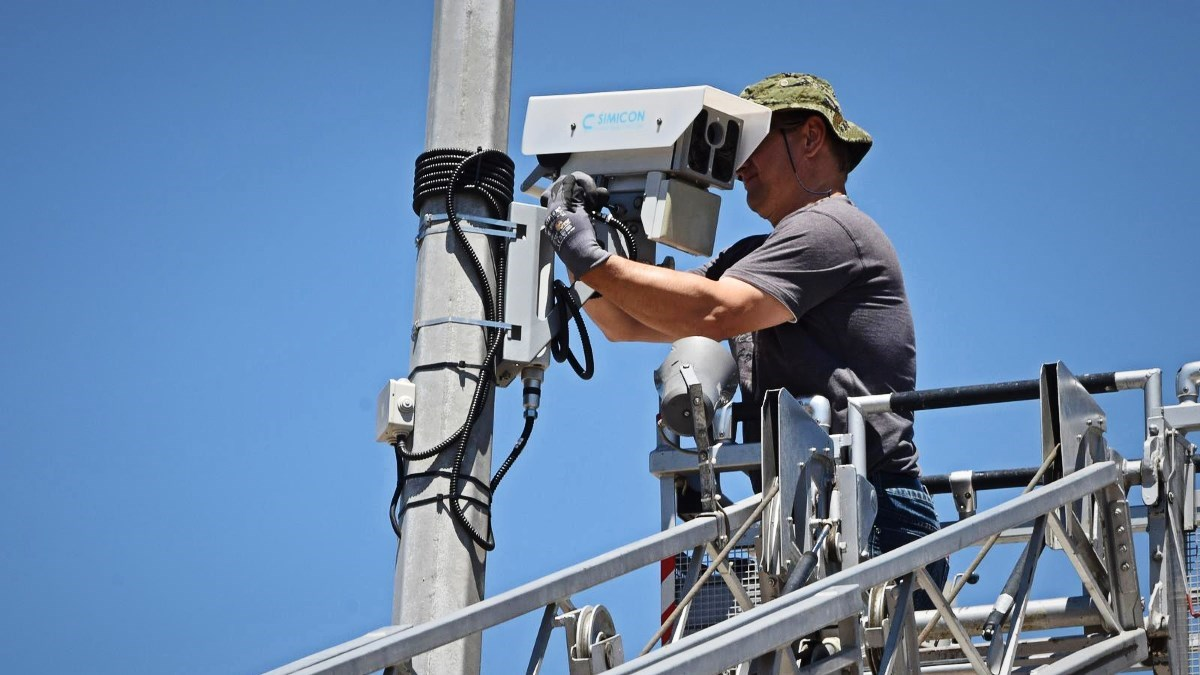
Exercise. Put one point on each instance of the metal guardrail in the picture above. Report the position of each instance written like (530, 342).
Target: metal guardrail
(391, 645)
(724, 645)
(769, 629)
(1149, 381)
(733, 641)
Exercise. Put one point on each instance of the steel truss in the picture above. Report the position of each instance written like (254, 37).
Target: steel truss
(821, 605)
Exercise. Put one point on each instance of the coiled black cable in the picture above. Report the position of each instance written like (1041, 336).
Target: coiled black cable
(435, 171)
(560, 343)
(488, 173)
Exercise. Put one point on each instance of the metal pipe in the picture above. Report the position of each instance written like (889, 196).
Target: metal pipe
(1110, 656)
(812, 613)
(858, 436)
(1043, 614)
(365, 655)
(1149, 380)
(1153, 397)
(1005, 392)
(983, 480)
(438, 570)
(984, 394)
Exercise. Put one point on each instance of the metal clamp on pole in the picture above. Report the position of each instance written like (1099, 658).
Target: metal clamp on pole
(458, 319)
(964, 493)
(504, 229)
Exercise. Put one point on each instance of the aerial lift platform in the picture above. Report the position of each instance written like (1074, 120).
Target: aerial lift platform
(734, 596)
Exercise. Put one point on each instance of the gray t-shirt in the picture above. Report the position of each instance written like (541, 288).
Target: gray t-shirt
(837, 272)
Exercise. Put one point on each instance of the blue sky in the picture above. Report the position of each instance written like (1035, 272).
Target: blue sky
(207, 264)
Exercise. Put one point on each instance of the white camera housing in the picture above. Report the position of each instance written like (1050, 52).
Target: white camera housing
(668, 145)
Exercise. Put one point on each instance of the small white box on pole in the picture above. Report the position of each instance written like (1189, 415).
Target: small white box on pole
(395, 411)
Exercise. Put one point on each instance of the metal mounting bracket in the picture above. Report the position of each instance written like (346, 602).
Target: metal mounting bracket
(458, 319)
(505, 229)
(964, 493)
(704, 450)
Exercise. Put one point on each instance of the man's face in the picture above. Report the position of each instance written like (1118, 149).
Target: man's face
(767, 175)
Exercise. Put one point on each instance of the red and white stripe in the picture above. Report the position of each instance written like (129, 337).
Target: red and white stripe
(667, 593)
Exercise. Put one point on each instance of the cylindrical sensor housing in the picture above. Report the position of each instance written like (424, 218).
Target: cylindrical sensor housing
(694, 359)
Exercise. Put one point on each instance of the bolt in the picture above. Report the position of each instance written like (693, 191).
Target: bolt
(1154, 429)
(572, 126)
(704, 457)
(696, 400)
(1121, 529)
(1124, 567)
(1124, 548)
(1117, 511)
(1171, 497)
(1089, 421)
(406, 403)
(1157, 556)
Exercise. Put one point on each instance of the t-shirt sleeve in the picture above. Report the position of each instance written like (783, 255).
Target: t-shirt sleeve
(807, 259)
(714, 268)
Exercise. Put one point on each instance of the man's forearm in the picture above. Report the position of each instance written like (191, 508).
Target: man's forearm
(618, 325)
(670, 303)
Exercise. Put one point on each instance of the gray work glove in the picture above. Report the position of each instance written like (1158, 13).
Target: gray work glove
(569, 225)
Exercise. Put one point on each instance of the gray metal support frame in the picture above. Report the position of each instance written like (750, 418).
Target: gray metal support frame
(368, 654)
(734, 646)
(1113, 655)
(469, 83)
(873, 572)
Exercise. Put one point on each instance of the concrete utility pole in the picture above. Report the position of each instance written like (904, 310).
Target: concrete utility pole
(438, 568)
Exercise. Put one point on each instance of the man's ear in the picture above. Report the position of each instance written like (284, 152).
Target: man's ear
(814, 135)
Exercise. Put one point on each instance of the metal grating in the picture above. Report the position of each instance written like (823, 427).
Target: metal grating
(715, 603)
(1193, 584)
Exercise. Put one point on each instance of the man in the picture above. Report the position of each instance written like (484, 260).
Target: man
(816, 306)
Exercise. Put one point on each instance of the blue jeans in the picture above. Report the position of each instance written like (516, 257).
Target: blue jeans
(906, 514)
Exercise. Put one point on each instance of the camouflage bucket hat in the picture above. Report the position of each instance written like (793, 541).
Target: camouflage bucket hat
(800, 91)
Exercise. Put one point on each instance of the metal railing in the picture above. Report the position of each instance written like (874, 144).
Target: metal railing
(1091, 488)
(391, 645)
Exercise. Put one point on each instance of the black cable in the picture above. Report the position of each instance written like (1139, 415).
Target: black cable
(444, 171)
(392, 514)
(512, 456)
(626, 234)
(560, 342)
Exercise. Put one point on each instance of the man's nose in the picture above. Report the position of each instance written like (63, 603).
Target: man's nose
(741, 170)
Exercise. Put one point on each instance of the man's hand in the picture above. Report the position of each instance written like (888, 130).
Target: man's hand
(569, 225)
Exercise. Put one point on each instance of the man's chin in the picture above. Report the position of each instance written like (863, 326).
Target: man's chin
(753, 208)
